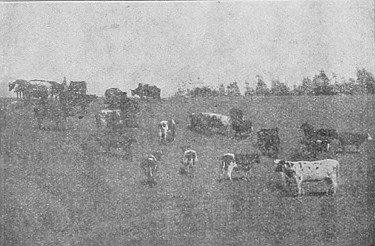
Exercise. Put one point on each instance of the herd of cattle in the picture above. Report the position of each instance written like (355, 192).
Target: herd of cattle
(120, 114)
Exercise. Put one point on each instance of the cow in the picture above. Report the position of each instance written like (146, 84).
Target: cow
(150, 166)
(78, 87)
(167, 130)
(42, 85)
(242, 129)
(308, 171)
(207, 122)
(147, 91)
(109, 119)
(113, 97)
(269, 142)
(189, 158)
(352, 139)
(319, 140)
(109, 140)
(243, 162)
(19, 86)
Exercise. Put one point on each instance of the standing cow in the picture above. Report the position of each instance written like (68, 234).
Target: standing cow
(243, 162)
(352, 139)
(304, 171)
(189, 158)
(209, 122)
(167, 130)
(147, 91)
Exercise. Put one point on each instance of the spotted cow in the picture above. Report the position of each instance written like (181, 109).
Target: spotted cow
(307, 171)
(167, 130)
(189, 158)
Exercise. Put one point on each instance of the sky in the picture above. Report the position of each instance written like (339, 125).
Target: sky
(121, 44)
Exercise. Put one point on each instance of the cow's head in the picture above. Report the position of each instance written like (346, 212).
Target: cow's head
(279, 165)
(158, 155)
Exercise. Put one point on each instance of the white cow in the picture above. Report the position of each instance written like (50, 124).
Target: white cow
(303, 171)
(189, 158)
(108, 118)
(167, 128)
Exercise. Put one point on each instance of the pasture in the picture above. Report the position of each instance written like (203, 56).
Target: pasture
(55, 192)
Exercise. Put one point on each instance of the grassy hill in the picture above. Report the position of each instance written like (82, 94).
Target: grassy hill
(56, 193)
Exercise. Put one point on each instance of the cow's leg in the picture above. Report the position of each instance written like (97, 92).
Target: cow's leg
(230, 169)
(283, 180)
(299, 185)
(334, 183)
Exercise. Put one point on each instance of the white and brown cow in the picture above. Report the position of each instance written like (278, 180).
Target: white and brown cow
(167, 130)
(108, 118)
(209, 122)
(307, 171)
(189, 158)
(241, 162)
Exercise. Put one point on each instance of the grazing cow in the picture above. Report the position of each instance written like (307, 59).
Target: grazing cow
(243, 162)
(108, 119)
(189, 158)
(167, 130)
(354, 139)
(54, 111)
(207, 122)
(109, 140)
(319, 140)
(78, 87)
(147, 91)
(269, 142)
(307, 171)
(150, 166)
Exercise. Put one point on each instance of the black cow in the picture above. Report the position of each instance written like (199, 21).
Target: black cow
(78, 87)
(318, 140)
(113, 98)
(147, 91)
(240, 162)
(269, 142)
(109, 140)
(352, 139)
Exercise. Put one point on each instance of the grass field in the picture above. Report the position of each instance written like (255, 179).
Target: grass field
(55, 193)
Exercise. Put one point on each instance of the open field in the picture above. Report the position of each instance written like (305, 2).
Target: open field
(55, 193)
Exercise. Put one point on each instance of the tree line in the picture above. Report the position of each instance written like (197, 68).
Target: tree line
(318, 85)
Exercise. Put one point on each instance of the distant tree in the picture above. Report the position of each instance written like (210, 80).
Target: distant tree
(233, 89)
(249, 91)
(366, 80)
(261, 88)
(279, 89)
(321, 84)
(307, 87)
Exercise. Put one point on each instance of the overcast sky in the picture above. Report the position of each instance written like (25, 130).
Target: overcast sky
(121, 44)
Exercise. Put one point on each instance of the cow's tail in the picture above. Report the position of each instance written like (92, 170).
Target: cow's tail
(338, 171)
